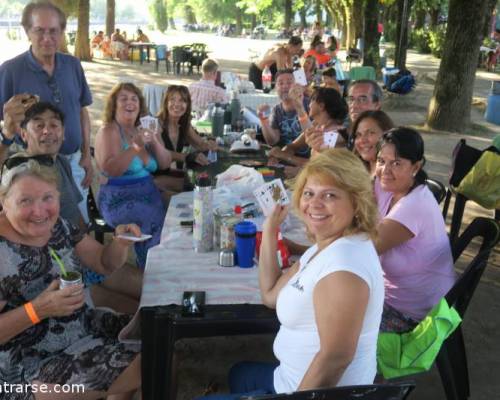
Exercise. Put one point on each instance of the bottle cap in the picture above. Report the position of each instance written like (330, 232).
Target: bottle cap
(203, 180)
(238, 209)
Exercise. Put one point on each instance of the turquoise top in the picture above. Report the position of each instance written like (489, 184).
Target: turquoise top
(136, 168)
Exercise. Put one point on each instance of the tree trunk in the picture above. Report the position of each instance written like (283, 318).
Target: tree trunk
(82, 44)
(357, 19)
(329, 20)
(404, 8)
(371, 54)
(318, 11)
(288, 14)
(239, 23)
(450, 105)
(434, 13)
(110, 17)
(189, 14)
(171, 22)
(302, 13)
(420, 18)
(254, 21)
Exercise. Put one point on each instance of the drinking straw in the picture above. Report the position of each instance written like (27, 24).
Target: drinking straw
(56, 258)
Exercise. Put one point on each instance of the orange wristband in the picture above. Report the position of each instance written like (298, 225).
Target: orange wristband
(263, 118)
(303, 119)
(30, 310)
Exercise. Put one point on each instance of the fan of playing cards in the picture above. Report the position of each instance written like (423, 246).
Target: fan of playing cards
(270, 194)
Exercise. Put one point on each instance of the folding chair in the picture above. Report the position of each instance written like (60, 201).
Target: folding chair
(198, 54)
(452, 360)
(399, 391)
(162, 54)
(357, 73)
(437, 189)
(180, 56)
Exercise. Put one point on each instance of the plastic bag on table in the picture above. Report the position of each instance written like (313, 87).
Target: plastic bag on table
(242, 181)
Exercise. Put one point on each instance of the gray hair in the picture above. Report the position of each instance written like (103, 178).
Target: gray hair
(27, 17)
(377, 94)
(28, 168)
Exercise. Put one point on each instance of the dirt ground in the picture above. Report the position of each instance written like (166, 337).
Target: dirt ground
(204, 362)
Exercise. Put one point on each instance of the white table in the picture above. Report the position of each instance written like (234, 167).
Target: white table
(253, 100)
(153, 95)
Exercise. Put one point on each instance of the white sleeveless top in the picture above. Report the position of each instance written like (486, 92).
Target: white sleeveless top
(297, 341)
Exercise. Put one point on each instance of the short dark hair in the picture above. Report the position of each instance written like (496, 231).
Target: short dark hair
(377, 94)
(283, 72)
(408, 144)
(381, 118)
(39, 108)
(329, 72)
(335, 105)
(295, 41)
(27, 17)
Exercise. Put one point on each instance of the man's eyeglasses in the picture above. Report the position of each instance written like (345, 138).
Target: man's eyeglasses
(52, 32)
(42, 159)
(359, 99)
(56, 93)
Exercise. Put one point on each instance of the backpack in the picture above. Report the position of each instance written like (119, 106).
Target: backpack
(403, 85)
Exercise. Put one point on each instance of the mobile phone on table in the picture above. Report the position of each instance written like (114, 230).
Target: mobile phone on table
(193, 304)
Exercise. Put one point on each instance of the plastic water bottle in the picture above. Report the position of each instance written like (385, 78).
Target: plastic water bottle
(217, 121)
(203, 224)
(267, 78)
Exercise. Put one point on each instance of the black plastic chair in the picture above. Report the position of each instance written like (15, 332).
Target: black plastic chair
(96, 222)
(181, 55)
(437, 189)
(399, 391)
(452, 360)
(198, 54)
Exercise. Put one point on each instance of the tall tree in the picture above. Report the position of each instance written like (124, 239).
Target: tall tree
(82, 44)
(288, 13)
(357, 18)
(159, 11)
(371, 54)
(450, 105)
(110, 17)
(404, 8)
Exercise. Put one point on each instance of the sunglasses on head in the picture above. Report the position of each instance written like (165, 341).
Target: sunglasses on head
(42, 159)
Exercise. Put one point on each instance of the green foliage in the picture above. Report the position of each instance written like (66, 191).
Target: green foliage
(158, 10)
(436, 40)
(420, 40)
(390, 30)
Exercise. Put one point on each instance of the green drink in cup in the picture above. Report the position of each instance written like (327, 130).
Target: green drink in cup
(68, 278)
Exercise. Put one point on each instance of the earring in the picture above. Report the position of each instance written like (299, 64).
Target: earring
(414, 174)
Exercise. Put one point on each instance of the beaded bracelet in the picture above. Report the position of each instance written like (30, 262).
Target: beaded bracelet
(30, 310)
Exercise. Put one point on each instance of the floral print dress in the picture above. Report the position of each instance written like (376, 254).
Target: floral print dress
(81, 348)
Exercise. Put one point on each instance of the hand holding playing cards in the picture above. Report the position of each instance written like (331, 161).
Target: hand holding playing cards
(138, 142)
(275, 219)
(296, 94)
(314, 138)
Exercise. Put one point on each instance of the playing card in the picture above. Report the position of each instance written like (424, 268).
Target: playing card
(149, 122)
(300, 77)
(330, 139)
(133, 238)
(270, 194)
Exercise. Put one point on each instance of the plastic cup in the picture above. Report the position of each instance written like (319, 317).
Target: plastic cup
(71, 278)
(245, 232)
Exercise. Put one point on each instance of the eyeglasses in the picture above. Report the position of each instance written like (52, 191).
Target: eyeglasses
(56, 93)
(359, 99)
(52, 32)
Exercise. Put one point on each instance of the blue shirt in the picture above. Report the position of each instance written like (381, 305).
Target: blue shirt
(287, 122)
(67, 89)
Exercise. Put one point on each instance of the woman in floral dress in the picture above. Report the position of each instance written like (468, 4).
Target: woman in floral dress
(50, 335)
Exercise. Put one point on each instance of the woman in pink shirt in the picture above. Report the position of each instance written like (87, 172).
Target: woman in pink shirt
(413, 245)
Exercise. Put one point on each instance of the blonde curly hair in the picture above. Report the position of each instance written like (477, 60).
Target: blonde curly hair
(343, 169)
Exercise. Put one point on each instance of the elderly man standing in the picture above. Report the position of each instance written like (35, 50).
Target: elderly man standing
(56, 78)
(204, 91)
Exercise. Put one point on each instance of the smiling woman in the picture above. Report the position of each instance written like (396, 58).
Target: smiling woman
(331, 300)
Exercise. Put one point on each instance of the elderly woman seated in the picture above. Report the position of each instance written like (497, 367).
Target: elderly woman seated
(51, 335)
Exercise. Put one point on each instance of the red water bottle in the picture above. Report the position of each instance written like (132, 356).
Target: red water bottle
(283, 253)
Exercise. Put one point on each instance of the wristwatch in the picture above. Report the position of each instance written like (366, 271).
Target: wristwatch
(5, 140)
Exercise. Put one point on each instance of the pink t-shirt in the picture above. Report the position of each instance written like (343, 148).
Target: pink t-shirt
(420, 271)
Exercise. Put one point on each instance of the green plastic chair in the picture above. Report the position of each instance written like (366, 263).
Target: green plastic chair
(357, 73)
